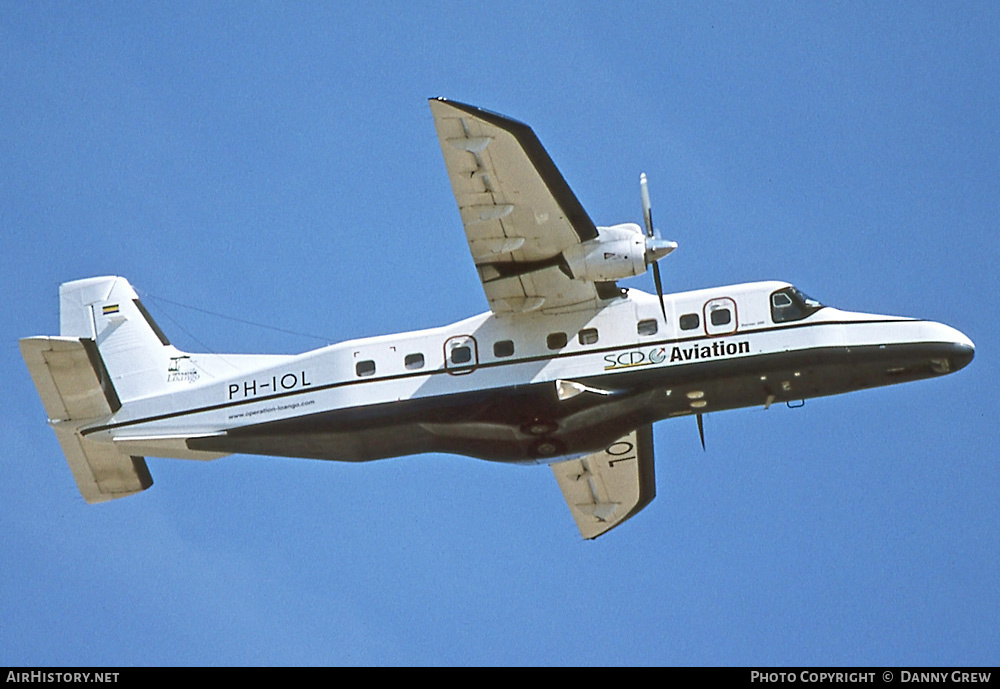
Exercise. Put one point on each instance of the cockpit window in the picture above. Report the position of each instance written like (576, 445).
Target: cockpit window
(789, 304)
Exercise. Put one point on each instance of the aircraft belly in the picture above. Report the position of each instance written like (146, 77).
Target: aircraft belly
(499, 425)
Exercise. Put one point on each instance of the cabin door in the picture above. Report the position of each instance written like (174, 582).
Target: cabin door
(720, 316)
(461, 354)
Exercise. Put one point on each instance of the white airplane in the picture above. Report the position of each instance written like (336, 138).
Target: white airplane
(566, 368)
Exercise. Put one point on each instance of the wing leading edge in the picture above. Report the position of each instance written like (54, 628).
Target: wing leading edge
(519, 213)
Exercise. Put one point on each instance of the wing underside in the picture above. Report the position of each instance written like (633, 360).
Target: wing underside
(606, 488)
(519, 213)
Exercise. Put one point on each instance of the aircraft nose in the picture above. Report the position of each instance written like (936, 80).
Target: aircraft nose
(963, 355)
(961, 350)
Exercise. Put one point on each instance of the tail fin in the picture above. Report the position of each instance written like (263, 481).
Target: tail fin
(132, 347)
(110, 352)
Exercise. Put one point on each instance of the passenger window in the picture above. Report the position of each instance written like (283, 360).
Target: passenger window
(365, 368)
(690, 321)
(413, 361)
(503, 348)
(721, 316)
(556, 340)
(647, 327)
(461, 355)
(588, 336)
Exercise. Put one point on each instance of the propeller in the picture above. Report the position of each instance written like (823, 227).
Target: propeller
(656, 247)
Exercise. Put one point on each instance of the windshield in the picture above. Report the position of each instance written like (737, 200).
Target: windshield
(789, 304)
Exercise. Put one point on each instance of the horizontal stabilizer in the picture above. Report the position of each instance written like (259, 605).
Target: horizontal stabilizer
(103, 473)
(75, 388)
(608, 487)
(70, 378)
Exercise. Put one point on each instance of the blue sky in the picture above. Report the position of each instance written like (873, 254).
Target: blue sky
(278, 163)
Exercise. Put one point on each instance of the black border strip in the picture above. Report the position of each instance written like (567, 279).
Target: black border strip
(152, 324)
(101, 371)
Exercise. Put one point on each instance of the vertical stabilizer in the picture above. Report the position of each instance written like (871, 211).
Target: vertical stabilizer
(132, 347)
(109, 352)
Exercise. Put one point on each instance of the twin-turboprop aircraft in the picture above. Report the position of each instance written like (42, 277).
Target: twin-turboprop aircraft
(566, 368)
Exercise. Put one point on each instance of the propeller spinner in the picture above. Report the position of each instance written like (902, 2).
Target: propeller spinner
(656, 246)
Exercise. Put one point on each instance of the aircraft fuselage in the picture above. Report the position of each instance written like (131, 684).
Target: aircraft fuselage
(534, 388)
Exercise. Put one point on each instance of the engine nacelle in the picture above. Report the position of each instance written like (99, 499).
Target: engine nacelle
(618, 252)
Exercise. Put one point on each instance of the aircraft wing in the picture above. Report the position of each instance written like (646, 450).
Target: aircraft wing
(608, 487)
(518, 211)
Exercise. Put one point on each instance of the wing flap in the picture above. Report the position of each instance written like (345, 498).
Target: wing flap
(607, 488)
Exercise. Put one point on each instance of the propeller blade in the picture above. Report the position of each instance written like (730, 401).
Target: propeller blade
(701, 431)
(659, 289)
(656, 248)
(647, 210)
